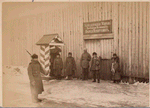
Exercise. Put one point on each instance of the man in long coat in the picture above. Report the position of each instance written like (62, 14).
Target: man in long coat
(70, 66)
(58, 66)
(115, 70)
(36, 84)
(84, 62)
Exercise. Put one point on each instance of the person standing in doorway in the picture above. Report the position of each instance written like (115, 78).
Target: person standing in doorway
(84, 62)
(95, 67)
(36, 84)
(115, 71)
(58, 66)
(70, 66)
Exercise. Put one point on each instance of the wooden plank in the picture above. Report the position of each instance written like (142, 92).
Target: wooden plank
(108, 10)
(79, 45)
(140, 43)
(102, 48)
(62, 30)
(120, 33)
(18, 44)
(73, 30)
(122, 36)
(105, 10)
(148, 38)
(65, 16)
(99, 11)
(111, 5)
(125, 38)
(115, 25)
(130, 39)
(133, 39)
(136, 38)
(108, 49)
(144, 38)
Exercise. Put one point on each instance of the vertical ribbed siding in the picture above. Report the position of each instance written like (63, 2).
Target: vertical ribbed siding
(130, 30)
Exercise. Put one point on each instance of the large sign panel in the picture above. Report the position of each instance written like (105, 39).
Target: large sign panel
(97, 27)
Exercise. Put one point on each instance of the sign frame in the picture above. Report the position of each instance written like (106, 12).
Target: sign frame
(100, 24)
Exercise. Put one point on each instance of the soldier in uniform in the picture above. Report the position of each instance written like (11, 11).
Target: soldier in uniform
(95, 67)
(84, 62)
(70, 66)
(36, 84)
(58, 66)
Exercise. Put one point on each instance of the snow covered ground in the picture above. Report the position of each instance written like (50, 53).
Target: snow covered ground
(71, 93)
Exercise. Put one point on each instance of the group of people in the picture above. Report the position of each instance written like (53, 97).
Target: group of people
(35, 68)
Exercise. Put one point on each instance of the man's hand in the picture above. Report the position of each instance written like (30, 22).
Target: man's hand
(33, 83)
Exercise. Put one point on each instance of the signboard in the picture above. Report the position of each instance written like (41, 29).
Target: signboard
(98, 27)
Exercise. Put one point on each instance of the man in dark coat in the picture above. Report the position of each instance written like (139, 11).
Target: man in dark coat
(70, 66)
(95, 67)
(36, 84)
(58, 66)
(84, 62)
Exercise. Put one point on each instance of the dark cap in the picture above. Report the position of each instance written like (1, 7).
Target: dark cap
(70, 53)
(114, 54)
(34, 56)
(94, 53)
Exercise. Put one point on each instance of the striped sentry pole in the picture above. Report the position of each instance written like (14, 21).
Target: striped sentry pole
(42, 56)
(45, 56)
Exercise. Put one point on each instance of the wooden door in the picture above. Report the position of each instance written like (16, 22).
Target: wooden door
(103, 48)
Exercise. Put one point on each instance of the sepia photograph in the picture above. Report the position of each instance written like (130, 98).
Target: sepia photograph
(75, 53)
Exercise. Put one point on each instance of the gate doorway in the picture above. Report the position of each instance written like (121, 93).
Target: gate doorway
(104, 49)
(54, 50)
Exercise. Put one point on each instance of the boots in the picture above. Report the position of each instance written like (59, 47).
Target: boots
(94, 80)
(98, 81)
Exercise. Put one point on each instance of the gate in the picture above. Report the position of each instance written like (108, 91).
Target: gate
(103, 48)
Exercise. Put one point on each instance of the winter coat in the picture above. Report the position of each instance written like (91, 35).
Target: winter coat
(34, 70)
(95, 64)
(58, 66)
(116, 73)
(85, 59)
(70, 65)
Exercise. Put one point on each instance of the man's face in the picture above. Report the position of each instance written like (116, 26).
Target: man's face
(114, 55)
(35, 59)
(69, 55)
(94, 55)
(85, 50)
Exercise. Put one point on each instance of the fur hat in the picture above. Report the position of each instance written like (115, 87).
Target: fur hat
(34, 56)
(94, 53)
(70, 53)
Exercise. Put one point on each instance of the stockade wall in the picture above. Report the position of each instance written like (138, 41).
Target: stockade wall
(130, 30)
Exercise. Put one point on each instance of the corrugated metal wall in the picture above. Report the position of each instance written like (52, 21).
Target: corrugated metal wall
(130, 30)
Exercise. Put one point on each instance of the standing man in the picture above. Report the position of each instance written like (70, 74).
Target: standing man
(95, 67)
(84, 62)
(70, 66)
(36, 84)
(58, 66)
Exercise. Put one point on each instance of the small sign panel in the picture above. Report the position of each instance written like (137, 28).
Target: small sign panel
(98, 27)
